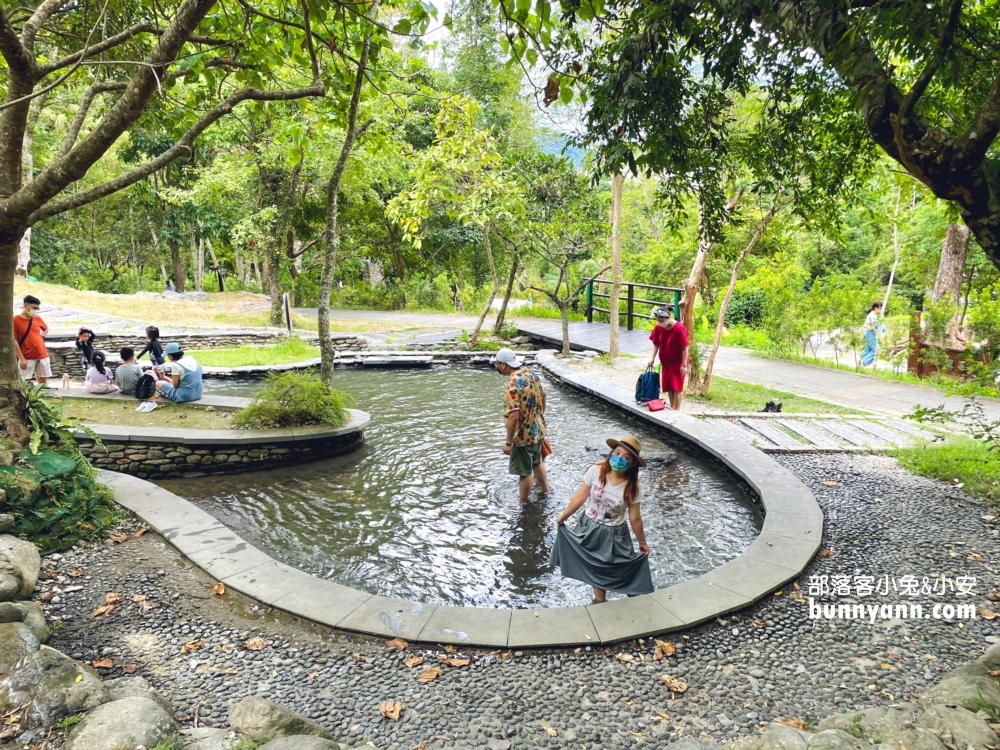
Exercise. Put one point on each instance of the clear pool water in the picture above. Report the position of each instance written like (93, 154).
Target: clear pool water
(426, 510)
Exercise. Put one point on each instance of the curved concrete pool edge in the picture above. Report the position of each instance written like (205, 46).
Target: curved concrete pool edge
(791, 535)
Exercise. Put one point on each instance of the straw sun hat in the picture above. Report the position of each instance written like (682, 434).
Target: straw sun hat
(630, 444)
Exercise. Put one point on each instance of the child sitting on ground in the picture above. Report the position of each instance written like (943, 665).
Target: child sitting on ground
(153, 346)
(129, 373)
(99, 376)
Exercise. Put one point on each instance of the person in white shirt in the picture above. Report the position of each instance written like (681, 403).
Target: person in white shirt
(872, 324)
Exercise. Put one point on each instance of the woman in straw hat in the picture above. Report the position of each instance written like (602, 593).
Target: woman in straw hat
(598, 550)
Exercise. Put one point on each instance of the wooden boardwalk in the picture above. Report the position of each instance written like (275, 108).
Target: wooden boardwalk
(583, 335)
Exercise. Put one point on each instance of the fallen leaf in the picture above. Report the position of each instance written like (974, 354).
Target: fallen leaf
(112, 599)
(390, 709)
(551, 732)
(48, 575)
(191, 646)
(430, 675)
(627, 658)
(777, 593)
(128, 668)
(413, 661)
(144, 607)
(987, 614)
(507, 655)
(107, 609)
(974, 556)
(219, 589)
(793, 723)
(79, 678)
(827, 553)
(397, 643)
(665, 717)
(831, 484)
(312, 676)
(994, 673)
(256, 644)
(455, 662)
(140, 531)
(119, 538)
(449, 649)
(657, 653)
(667, 647)
(673, 684)
(103, 663)
(758, 624)
(139, 598)
(796, 587)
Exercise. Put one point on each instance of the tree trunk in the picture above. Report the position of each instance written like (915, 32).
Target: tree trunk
(506, 297)
(180, 273)
(564, 314)
(951, 269)
(163, 273)
(13, 429)
(617, 185)
(28, 160)
(474, 336)
(256, 270)
(240, 270)
(272, 269)
(397, 263)
(326, 350)
(693, 281)
(198, 261)
(706, 380)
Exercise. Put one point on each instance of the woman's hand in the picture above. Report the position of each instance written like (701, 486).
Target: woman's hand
(561, 520)
(644, 548)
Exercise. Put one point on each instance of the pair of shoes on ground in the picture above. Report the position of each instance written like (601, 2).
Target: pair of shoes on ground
(145, 407)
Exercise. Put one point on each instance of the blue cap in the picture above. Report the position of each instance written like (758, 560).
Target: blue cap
(172, 348)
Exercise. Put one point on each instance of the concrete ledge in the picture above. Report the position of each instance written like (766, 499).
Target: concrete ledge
(792, 533)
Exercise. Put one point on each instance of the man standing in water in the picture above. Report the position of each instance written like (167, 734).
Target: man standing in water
(671, 341)
(524, 415)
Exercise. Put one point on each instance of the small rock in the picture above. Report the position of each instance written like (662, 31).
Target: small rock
(261, 720)
(20, 565)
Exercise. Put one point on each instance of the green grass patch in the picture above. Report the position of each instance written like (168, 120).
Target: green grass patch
(290, 350)
(732, 395)
(121, 411)
(959, 460)
(294, 399)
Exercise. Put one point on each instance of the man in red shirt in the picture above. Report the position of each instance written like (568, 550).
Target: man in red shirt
(671, 340)
(29, 339)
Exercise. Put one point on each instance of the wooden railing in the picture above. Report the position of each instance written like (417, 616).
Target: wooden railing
(629, 287)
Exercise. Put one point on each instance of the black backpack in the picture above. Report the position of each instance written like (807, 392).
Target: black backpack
(145, 387)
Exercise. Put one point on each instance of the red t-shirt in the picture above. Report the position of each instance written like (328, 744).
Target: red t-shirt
(34, 345)
(671, 342)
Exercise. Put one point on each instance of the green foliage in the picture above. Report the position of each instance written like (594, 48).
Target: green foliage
(49, 428)
(69, 722)
(292, 349)
(293, 399)
(364, 296)
(426, 293)
(746, 307)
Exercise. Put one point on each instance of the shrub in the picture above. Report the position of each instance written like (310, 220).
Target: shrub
(426, 293)
(746, 308)
(294, 399)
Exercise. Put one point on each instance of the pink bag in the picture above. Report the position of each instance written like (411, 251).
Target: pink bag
(656, 404)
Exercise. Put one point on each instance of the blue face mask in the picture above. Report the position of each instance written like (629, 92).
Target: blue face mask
(618, 463)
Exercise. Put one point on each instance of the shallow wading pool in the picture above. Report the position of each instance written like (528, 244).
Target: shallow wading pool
(426, 510)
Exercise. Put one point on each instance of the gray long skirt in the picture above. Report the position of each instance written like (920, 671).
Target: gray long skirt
(602, 556)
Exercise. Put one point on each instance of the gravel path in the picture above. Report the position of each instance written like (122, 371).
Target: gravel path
(755, 666)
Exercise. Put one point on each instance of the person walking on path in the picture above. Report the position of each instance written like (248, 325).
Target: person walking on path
(670, 339)
(185, 376)
(871, 334)
(524, 415)
(598, 550)
(29, 340)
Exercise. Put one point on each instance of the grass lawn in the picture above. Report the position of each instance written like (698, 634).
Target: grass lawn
(122, 412)
(731, 395)
(960, 461)
(290, 350)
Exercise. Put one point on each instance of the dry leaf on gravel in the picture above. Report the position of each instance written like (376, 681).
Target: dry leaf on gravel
(994, 673)
(507, 655)
(112, 598)
(107, 609)
(48, 575)
(667, 647)
(390, 709)
(140, 531)
(144, 607)
(139, 598)
(551, 732)
(455, 662)
(413, 661)
(673, 684)
(987, 614)
(794, 724)
(657, 653)
(128, 668)
(420, 746)
(312, 676)
(627, 658)
(219, 589)
(397, 643)
(449, 649)
(665, 717)
(103, 663)
(119, 538)
(827, 553)
(831, 484)
(430, 675)
(758, 624)
(256, 644)
(191, 646)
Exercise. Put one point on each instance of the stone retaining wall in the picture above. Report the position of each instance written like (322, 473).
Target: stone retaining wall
(66, 359)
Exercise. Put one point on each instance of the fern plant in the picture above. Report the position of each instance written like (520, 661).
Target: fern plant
(50, 428)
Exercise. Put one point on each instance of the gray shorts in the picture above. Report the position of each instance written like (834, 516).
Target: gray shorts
(524, 458)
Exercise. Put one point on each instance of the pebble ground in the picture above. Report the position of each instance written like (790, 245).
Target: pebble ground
(744, 671)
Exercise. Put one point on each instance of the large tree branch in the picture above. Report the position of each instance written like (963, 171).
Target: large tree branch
(35, 21)
(98, 48)
(971, 147)
(924, 79)
(89, 93)
(122, 114)
(18, 59)
(181, 147)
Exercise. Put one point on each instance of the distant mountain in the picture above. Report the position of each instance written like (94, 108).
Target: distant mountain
(559, 144)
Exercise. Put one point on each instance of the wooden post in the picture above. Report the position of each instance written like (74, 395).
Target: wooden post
(617, 183)
(631, 304)
(590, 301)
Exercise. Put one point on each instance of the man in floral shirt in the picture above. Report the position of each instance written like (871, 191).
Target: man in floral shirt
(524, 415)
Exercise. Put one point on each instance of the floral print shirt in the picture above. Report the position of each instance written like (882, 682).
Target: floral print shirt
(524, 395)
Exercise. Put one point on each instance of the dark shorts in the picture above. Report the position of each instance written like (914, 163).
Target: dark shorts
(524, 458)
